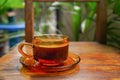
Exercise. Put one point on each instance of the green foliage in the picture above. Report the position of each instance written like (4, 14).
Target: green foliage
(76, 20)
(14, 4)
(6, 4)
(117, 7)
(45, 28)
(37, 9)
(90, 16)
(113, 31)
(2, 8)
(113, 37)
(111, 1)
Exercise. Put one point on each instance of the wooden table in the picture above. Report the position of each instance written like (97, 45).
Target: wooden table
(98, 62)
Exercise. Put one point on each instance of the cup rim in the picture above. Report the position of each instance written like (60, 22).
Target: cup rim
(57, 35)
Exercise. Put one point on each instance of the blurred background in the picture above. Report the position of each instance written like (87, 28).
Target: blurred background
(74, 19)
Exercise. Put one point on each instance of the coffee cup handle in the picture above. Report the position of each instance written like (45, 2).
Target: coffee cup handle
(20, 49)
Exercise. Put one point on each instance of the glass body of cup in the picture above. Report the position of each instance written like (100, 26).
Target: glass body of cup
(50, 49)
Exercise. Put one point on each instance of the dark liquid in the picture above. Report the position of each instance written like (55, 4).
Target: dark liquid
(50, 55)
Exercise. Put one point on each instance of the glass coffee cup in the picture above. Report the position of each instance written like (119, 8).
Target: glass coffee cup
(48, 49)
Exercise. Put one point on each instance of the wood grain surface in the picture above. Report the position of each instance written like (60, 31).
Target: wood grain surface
(98, 62)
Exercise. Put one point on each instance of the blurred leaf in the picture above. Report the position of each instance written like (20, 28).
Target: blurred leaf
(111, 1)
(2, 3)
(76, 21)
(37, 9)
(2, 6)
(15, 4)
(113, 39)
(6, 4)
(88, 20)
(92, 5)
(45, 29)
(117, 7)
(113, 34)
